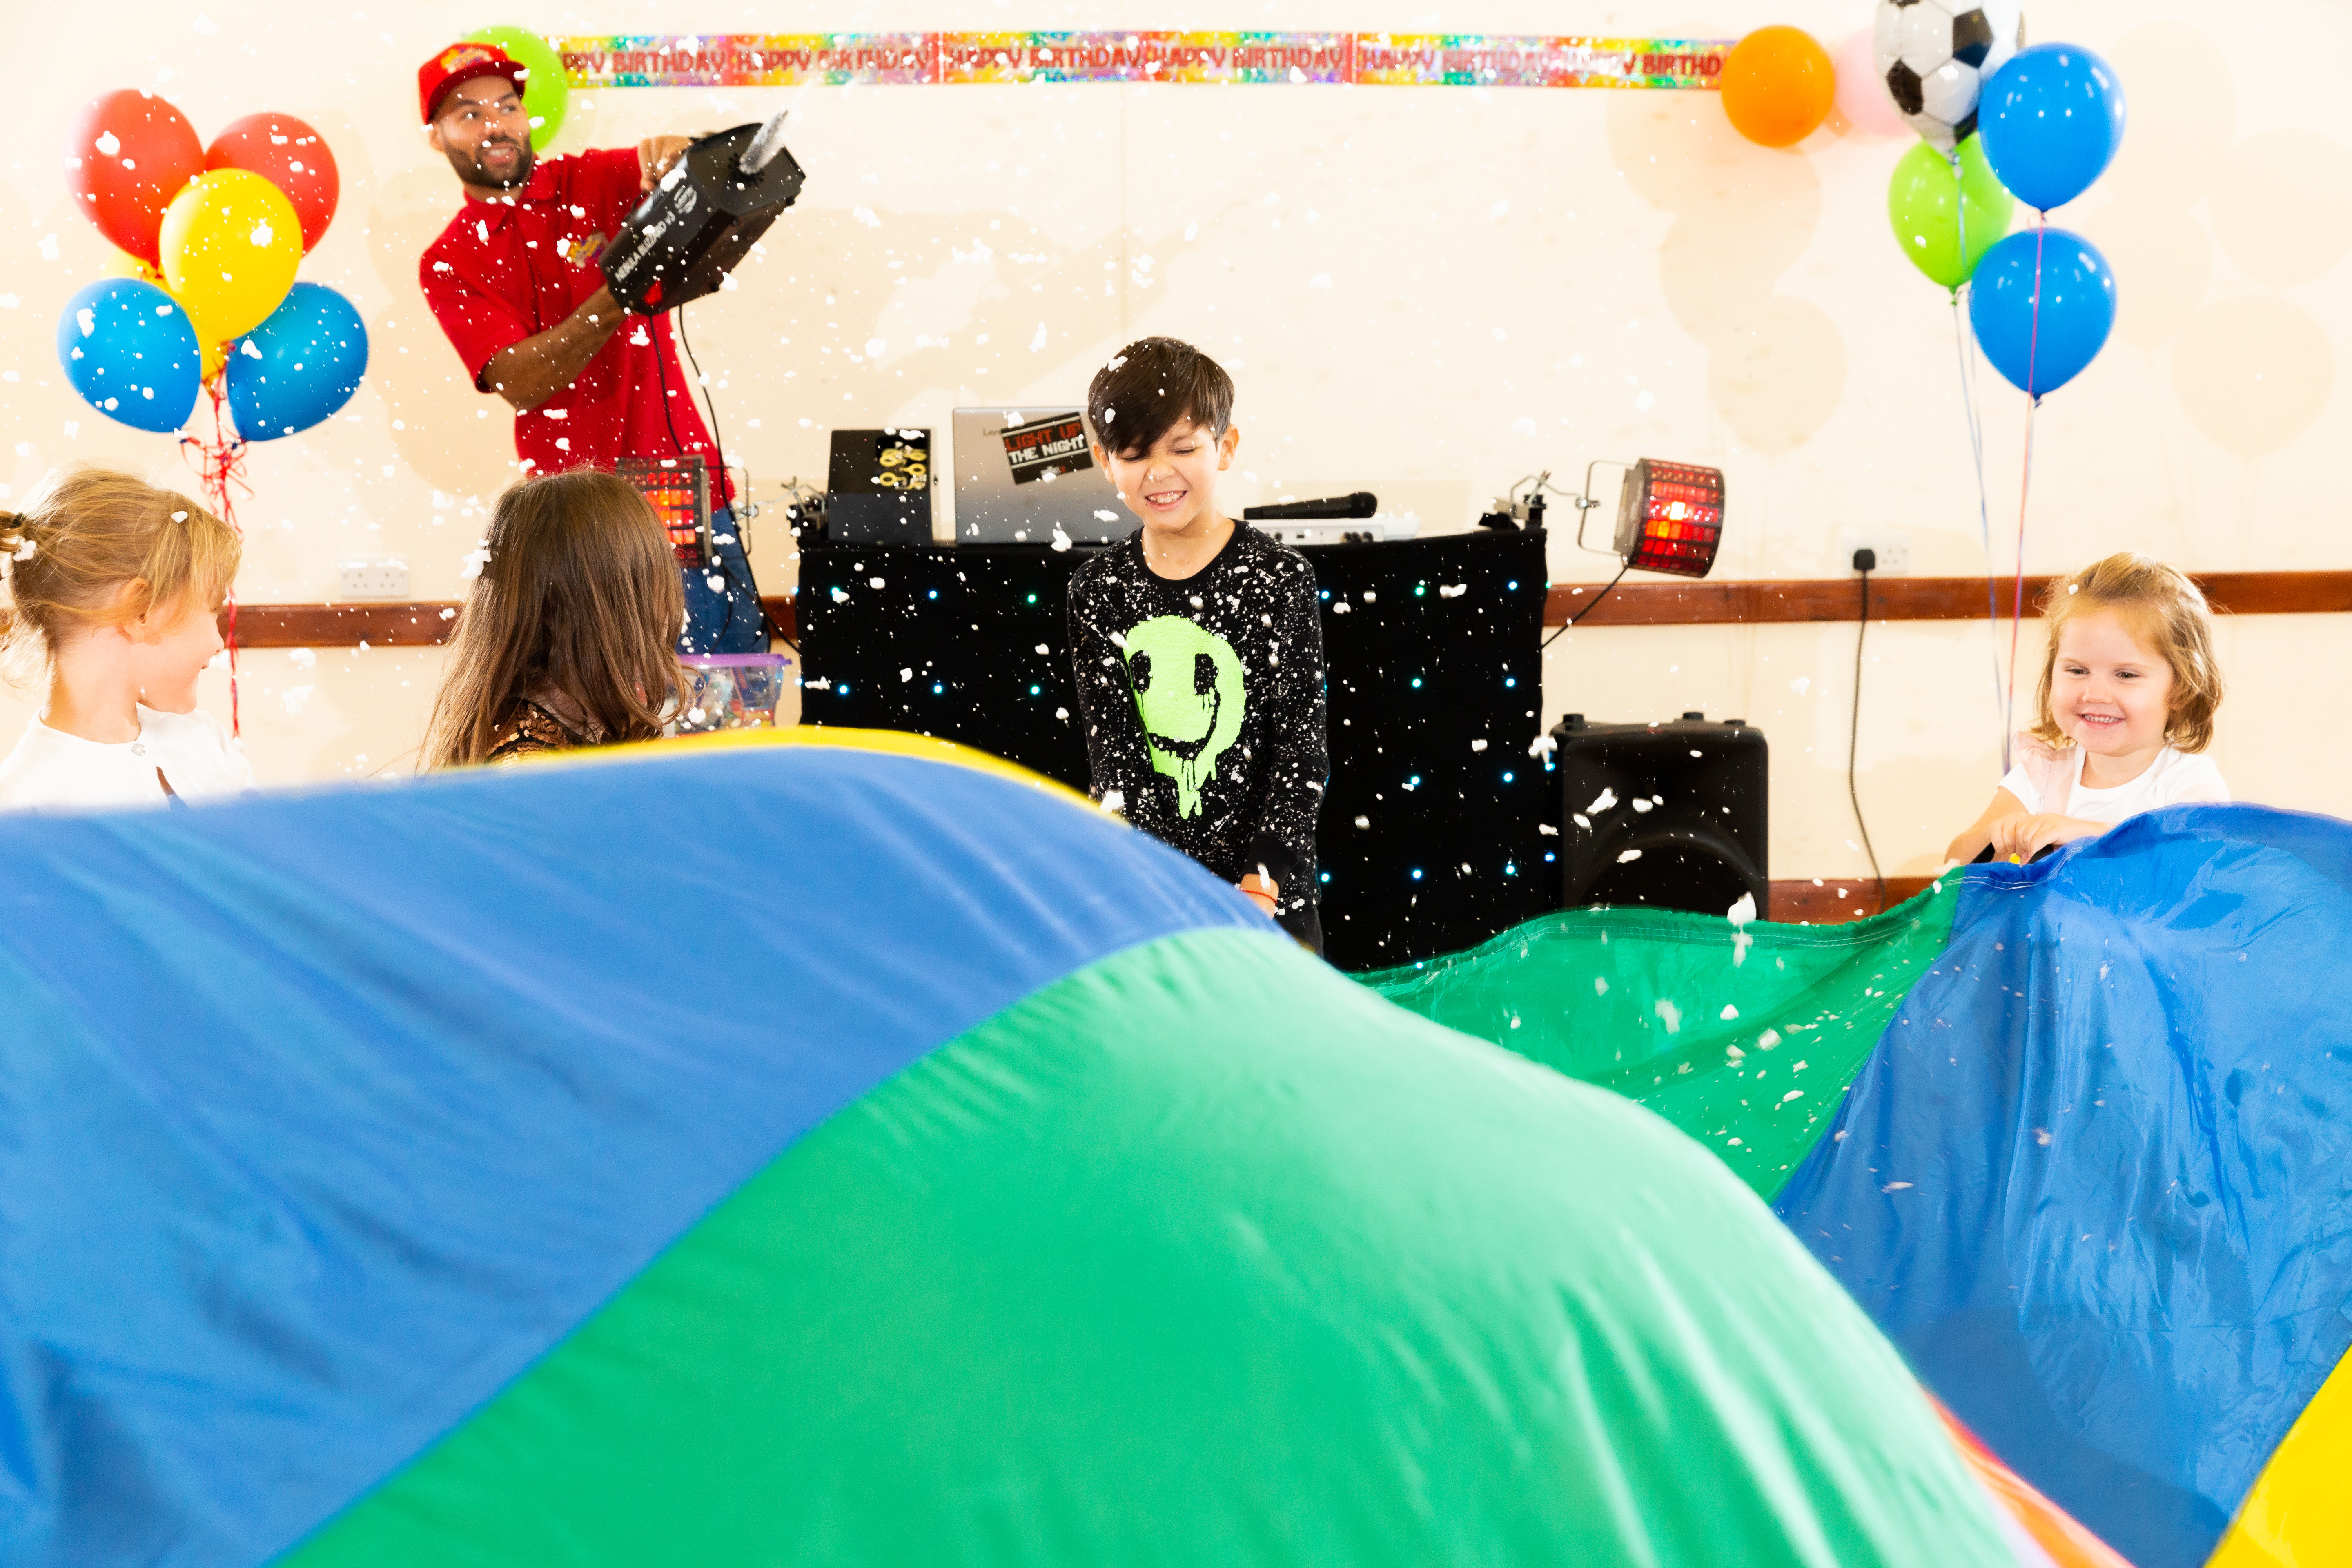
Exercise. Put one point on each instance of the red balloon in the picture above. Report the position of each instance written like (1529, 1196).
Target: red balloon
(290, 155)
(129, 155)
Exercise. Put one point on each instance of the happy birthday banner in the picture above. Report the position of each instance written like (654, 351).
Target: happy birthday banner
(913, 60)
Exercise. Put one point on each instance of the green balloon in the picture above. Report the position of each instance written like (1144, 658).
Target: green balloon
(546, 90)
(1945, 219)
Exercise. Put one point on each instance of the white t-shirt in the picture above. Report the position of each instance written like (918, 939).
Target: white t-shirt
(52, 770)
(2174, 777)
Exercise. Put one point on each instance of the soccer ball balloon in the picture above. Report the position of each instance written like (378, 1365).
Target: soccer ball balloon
(1936, 55)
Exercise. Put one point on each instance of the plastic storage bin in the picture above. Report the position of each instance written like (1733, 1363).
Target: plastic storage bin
(730, 692)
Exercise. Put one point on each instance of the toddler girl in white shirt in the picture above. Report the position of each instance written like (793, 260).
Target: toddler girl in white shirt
(2128, 692)
(120, 582)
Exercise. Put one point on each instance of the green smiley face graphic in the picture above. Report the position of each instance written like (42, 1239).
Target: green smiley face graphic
(1190, 694)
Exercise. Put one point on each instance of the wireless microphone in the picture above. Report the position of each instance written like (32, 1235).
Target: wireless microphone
(1362, 503)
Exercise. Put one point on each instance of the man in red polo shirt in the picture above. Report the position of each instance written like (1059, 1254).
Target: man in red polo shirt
(514, 283)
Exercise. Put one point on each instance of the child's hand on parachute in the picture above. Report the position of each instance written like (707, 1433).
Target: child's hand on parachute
(1262, 891)
(2020, 837)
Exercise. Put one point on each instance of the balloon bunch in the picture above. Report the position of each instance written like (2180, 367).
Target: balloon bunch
(204, 295)
(2000, 122)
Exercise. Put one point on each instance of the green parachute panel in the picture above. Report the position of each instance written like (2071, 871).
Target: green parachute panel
(1200, 1254)
(1745, 1038)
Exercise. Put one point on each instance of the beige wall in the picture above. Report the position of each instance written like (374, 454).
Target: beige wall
(1423, 293)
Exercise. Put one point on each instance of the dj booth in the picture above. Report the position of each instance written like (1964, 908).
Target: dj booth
(1431, 836)
(1429, 840)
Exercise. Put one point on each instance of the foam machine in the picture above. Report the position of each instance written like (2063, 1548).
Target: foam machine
(679, 243)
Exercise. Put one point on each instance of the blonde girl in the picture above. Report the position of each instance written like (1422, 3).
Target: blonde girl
(2129, 688)
(119, 584)
(568, 637)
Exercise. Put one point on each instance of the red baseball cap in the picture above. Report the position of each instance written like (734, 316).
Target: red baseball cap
(461, 63)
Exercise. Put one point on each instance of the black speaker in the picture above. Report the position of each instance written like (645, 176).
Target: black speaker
(1671, 815)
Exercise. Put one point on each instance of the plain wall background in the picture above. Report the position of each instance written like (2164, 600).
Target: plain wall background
(1425, 292)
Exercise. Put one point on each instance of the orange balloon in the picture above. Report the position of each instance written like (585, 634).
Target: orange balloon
(1777, 85)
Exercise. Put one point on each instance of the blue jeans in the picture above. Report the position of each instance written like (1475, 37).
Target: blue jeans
(727, 621)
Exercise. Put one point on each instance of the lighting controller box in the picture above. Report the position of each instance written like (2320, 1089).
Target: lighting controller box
(877, 487)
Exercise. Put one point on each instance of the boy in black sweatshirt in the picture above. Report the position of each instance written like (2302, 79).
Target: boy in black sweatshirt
(1198, 646)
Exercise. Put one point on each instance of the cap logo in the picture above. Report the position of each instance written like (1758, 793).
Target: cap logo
(464, 55)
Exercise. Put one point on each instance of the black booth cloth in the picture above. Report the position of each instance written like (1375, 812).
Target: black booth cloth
(1203, 707)
(1430, 839)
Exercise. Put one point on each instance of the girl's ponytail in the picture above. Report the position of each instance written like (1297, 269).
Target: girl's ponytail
(86, 534)
(12, 542)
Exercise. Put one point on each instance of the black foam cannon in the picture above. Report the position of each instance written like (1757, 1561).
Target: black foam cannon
(680, 242)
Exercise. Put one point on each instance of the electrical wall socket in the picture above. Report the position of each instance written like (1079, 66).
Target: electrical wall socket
(377, 579)
(1891, 546)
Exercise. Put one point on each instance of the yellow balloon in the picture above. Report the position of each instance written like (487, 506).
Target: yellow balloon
(122, 264)
(215, 356)
(231, 242)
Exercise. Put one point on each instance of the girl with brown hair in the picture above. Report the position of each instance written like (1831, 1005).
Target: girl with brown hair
(568, 637)
(120, 584)
(2129, 688)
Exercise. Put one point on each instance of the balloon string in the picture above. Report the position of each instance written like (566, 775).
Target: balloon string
(219, 464)
(1960, 343)
(2017, 614)
(2025, 488)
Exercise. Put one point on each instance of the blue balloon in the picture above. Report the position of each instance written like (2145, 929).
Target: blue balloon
(2052, 119)
(128, 349)
(299, 366)
(2041, 347)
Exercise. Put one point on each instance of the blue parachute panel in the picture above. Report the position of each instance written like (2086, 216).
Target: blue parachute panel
(2096, 1181)
(302, 1077)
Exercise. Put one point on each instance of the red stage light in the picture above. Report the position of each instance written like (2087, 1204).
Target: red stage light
(1670, 518)
(679, 491)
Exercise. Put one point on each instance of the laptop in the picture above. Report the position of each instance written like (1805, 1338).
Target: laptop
(1024, 474)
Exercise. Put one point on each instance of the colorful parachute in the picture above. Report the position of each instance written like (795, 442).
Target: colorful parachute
(719, 1155)
(2076, 1135)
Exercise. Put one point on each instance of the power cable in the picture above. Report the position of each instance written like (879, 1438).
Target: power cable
(718, 448)
(661, 377)
(1589, 608)
(1865, 561)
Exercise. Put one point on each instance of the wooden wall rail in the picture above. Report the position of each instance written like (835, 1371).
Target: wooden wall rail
(340, 626)
(1671, 604)
(1686, 604)
(1837, 900)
